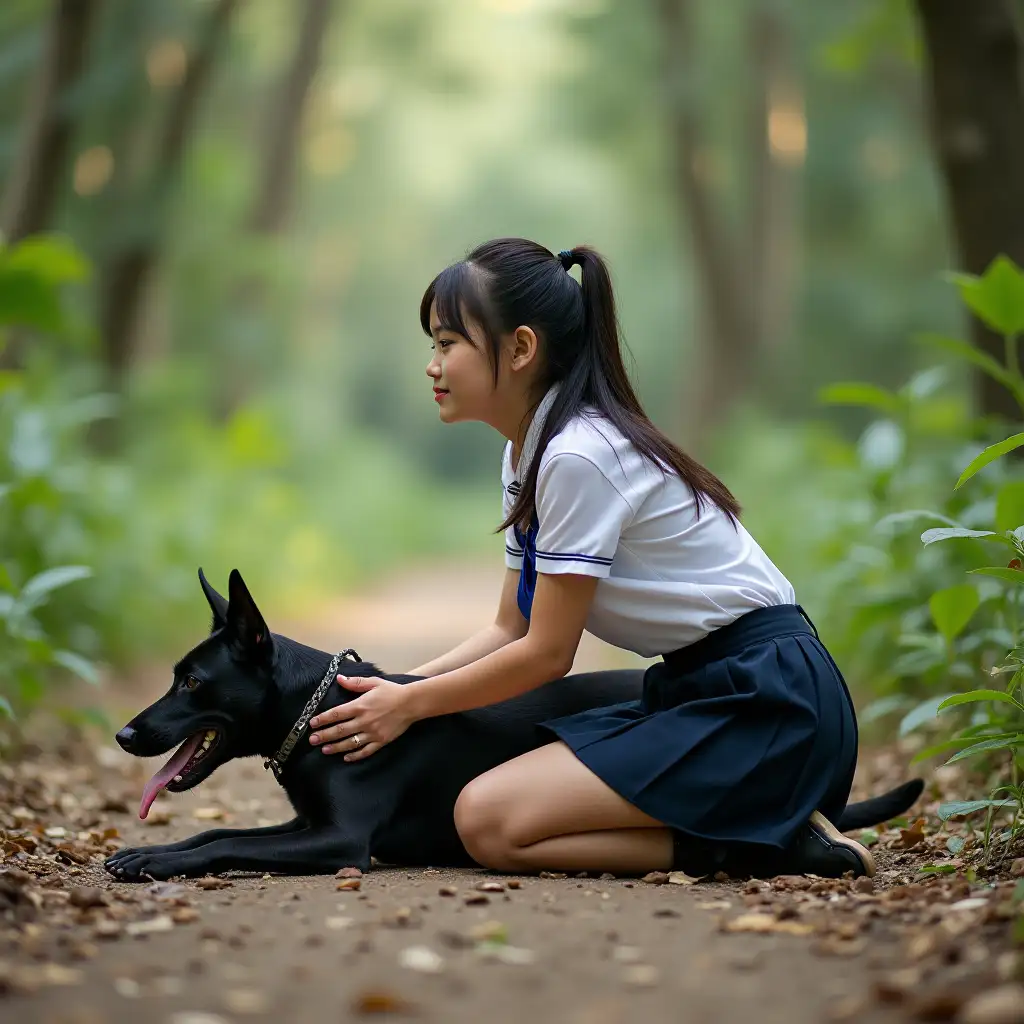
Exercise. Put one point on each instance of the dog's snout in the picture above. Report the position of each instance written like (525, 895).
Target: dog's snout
(126, 737)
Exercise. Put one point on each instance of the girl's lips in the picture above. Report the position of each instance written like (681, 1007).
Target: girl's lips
(439, 393)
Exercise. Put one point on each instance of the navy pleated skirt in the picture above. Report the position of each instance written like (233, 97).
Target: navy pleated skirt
(737, 739)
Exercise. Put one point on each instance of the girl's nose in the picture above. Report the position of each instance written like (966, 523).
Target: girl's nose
(433, 369)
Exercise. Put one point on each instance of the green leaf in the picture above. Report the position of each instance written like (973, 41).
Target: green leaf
(997, 297)
(910, 514)
(958, 808)
(81, 667)
(990, 454)
(44, 583)
(883, 706)
(924, 712)
(28, 301)
(868, 837)
(860, 394)
(49, 258)
(988, 745)
(952, 609)
(979, 695)
(1010, 505)
(1000, 572)
(955, 844)
(937, 869)
(958, 741)
(951, 533)
(967, 352)
(5, 707)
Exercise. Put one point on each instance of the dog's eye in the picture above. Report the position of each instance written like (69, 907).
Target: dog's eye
(191, 682)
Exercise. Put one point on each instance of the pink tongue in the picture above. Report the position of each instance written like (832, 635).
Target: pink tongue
(169, 770)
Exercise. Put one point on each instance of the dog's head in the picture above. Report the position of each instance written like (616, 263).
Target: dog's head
(214, 708)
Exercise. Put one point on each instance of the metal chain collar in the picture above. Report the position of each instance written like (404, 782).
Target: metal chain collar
(277, 761)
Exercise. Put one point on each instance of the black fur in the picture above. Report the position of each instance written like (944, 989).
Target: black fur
(396, 805)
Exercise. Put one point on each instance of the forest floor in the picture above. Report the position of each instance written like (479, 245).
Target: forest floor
(76, 947)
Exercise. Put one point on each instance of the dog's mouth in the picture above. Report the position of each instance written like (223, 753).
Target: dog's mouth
(183, 767)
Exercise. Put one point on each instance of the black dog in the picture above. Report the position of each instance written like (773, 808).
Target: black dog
(241, 690)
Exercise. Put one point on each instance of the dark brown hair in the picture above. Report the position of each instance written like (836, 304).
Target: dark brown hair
(512, 282)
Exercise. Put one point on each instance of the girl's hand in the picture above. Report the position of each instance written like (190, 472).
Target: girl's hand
(365, 724)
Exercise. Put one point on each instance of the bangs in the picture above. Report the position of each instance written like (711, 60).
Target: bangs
(457, 293)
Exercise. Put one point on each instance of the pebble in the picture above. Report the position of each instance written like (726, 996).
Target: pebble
(421, 959)
(641, 975)
(245, 1001)
(1002, 1005)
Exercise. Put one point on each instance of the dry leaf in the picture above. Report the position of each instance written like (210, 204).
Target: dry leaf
(213, 882)
(764, 924)
(910, 837)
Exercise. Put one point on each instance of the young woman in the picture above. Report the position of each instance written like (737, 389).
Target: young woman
(745, 740)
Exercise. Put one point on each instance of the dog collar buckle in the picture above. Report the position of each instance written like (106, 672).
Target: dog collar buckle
(276, 763)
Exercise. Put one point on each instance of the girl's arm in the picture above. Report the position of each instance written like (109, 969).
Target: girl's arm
(561, 604)
(508, 625)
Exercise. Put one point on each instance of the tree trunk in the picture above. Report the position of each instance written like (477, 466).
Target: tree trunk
(35, 180)
(974, 74)
(745, 281)
(273, 203)
(272, 207)
(129, 270)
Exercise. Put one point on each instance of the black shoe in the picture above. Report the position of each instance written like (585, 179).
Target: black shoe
(821, 849)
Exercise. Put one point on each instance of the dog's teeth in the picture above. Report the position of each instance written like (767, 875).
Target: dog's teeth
(210, 735)
(206, 744)
(177, 778)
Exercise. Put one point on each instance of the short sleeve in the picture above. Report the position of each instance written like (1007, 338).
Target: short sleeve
(581, 515)
(513, 549)
(509, 491)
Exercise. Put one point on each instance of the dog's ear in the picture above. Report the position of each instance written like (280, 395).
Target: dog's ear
(245, 624)
(218, 605)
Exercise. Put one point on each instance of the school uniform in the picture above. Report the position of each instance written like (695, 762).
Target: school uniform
(745, 726)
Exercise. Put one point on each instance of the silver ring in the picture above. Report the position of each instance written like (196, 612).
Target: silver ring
(355, 736)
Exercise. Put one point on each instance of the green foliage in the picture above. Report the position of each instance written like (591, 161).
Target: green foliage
(42, 500)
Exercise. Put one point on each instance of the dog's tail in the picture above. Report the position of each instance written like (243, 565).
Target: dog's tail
(880, 808)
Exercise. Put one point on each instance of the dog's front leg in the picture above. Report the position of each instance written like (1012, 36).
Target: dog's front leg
(309, 851)
(114, 861)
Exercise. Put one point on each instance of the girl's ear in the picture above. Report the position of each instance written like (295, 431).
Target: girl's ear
(522, 348)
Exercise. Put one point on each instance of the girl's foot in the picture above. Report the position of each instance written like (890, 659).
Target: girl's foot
(821, 849)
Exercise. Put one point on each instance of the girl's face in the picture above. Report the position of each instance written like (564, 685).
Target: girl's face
(461, 373)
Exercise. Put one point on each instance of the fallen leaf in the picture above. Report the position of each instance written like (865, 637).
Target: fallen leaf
(913, 836)
(213, 882)
(766, 924)
(208, 813)
(380, 1001)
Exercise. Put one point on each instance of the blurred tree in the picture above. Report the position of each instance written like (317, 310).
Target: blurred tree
(127, 272)
(271, 212)
(975, 73)
(745, 276)
(34, 183)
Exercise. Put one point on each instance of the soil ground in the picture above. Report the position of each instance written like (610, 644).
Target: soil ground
(78, 948)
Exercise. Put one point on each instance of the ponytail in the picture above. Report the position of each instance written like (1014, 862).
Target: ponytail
(511, 282)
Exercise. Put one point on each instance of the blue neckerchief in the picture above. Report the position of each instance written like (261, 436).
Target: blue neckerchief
(528, 573)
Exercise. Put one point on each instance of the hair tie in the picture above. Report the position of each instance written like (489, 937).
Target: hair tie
(567, 258)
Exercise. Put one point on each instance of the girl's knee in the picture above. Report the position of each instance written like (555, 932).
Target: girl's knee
(480, 823)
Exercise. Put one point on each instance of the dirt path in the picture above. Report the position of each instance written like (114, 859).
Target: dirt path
(425, 943)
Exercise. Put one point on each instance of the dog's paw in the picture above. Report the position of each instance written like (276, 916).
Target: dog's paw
(143, 865)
